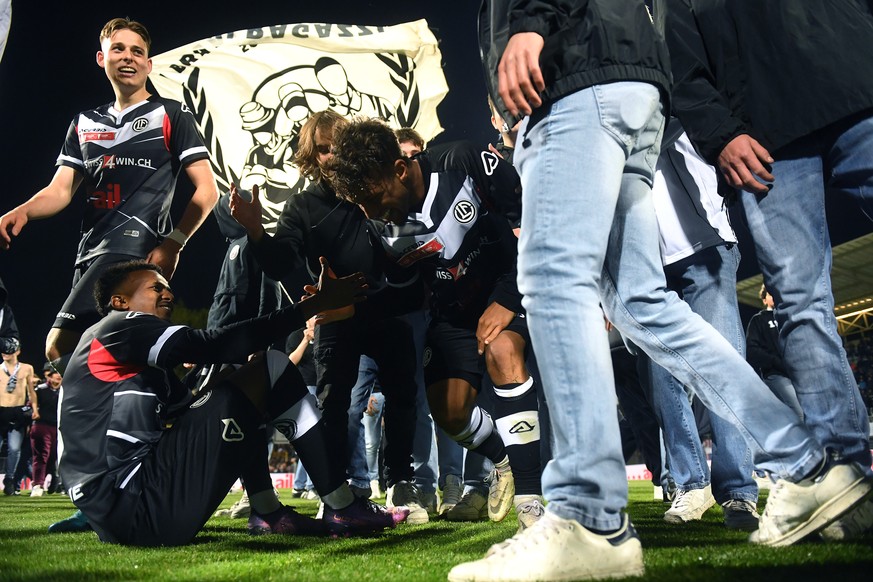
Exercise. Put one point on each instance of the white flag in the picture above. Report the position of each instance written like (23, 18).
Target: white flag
(250, 92)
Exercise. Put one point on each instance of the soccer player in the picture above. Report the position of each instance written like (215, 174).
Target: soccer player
(436, 211)
(140, 483)
(128, 153)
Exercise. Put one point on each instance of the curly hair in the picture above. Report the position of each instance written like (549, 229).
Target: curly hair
(109, 282)
(306, 157)
(117, 24)
(364, 153)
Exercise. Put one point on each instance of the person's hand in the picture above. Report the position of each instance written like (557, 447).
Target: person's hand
(744, 162)
(519, 78)
(166, 256)
(11, 224)
(34, 415)
(247, 214)
(493, 321)
(372, 409)
(332, 293)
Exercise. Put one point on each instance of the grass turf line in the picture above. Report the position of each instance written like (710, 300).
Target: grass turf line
(700, 551)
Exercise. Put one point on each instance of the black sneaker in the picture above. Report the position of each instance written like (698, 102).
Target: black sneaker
(286, 521)
(362, 517)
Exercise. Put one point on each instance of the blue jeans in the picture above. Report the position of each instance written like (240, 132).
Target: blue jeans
(793, 246)
(707, 281)
(358, 469)
(14, 438)
(589, 235)
(373, 436)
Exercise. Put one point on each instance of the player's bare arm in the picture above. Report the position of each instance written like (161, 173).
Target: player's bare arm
(45, 203)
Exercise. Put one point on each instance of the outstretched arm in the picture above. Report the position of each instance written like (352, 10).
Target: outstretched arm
(45, 203)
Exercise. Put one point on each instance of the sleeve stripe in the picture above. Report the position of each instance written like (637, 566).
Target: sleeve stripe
(135, 393)
(129, 476)
(155, 351)
(70, 160)
(193, 151)
(122, 436)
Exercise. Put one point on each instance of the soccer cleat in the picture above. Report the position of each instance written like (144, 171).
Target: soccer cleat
(740, 514)
(363, 517)
(472, 506)
(796, 510)
(501, 490)
(37, 491)
(557, 549)
(286, 521)
(689, 505)
(452, 491)
(405, 494)
(851, 525)
(528, 510)
(75, 523)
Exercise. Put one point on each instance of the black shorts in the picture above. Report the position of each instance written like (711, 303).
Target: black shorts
(188, 473)
(452, 352)
(79, 311)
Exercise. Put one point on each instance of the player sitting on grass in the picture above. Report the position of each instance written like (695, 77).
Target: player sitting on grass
(140, 483)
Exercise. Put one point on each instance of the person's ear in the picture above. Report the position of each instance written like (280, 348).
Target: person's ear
(118, 303)
(400, 168)
(101, 59)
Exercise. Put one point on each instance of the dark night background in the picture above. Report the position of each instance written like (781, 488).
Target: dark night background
(48, 74)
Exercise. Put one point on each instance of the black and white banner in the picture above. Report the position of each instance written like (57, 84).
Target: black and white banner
(251, 91)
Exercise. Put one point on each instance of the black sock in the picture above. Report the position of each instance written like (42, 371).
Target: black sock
(517, 421)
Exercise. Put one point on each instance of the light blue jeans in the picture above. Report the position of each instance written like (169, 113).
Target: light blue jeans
(373, 435)
(707, 281)
(793, 246)
(589, 235)
(14, 438)
(358, 471)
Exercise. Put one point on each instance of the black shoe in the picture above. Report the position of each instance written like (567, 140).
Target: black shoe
(75, 523)
(8, 487)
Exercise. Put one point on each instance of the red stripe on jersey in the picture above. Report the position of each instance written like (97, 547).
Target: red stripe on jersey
(104, 367)
(167, 130)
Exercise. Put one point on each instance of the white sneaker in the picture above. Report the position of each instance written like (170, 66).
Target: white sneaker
(405, 494)
(501, 490)
(452, 491)
(375, 489)
(557, 549)
(851, 525)
(528, 510)
(796, 510)
(689, 505)
(241, 509)
(472, 506)
(37, 491)
(311, 495)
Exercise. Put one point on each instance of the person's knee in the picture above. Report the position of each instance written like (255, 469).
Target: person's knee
(504, 357)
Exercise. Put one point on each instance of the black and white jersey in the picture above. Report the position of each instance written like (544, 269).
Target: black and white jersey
(119, 391)
(130, 161)
(115, 397)
(462, 239)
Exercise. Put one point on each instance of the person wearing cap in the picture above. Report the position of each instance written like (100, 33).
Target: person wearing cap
(44, 433)
(128, 154)
(16, 388)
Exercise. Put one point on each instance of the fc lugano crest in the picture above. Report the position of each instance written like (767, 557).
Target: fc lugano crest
(464, 211)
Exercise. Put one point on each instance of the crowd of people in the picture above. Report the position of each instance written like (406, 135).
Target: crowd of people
(475, 286)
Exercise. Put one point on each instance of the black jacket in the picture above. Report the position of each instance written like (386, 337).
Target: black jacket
(316, 223)
(587, 42)
(762, 344)
(777, 70)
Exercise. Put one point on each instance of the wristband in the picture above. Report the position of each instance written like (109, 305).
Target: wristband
(179, 237)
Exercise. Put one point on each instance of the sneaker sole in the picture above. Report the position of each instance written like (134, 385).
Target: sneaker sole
(853, 496)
